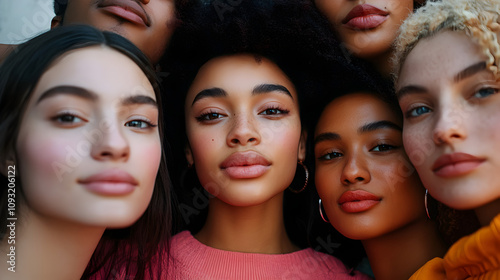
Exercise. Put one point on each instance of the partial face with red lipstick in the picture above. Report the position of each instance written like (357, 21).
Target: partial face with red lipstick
(148, 24)
(88, 148)
(363, 176)
(451, 126)
(367, 28)
(244, 130)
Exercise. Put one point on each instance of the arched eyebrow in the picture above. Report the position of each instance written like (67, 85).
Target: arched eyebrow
(92, 96)
(266, 88)
(327, 136)
(259, 89)
(465, 73)
(71, 90)
(379, 125)
(470, 71)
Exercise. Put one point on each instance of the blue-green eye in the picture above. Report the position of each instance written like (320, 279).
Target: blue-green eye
(140, 124)
(330, 156)
(418, 111)
(485, 92)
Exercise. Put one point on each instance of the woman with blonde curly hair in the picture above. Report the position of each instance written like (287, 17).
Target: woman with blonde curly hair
(448, 86)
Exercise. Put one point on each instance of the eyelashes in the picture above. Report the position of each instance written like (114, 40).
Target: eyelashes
(270, 112)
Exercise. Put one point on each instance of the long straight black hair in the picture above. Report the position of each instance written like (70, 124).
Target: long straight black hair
(139, 249)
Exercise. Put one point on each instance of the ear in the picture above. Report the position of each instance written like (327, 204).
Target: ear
(302, 146)
(189, 154)
(56, 22)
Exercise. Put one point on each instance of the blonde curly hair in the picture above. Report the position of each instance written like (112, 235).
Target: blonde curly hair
(478, 19)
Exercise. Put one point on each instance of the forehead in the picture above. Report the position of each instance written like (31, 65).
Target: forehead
(237, 72)
(98, 69)
(439, 57)
(354, 110)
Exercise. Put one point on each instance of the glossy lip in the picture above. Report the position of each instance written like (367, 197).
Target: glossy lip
(365, 17)
(245, 165)
(455, 164)
(126, 9)
(110, 182)
(357, 201)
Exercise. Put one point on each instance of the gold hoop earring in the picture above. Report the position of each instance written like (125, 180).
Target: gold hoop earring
(321, 212)
(425, 203)
(306, 180)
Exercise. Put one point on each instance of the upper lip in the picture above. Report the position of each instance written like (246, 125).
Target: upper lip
(244, 159)
(130, 5)
(110, 176)
(363, 10)
(454, 158)
(357, 195)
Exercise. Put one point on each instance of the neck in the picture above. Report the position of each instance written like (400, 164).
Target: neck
(486, 213)
(46, 248)
(398, 254)
(382, 63)
(250, 229)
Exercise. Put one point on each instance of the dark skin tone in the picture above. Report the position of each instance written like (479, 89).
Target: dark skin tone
(360, 154)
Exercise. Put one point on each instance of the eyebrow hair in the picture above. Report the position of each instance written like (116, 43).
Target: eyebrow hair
(72, 90)
(410, 89)
(139, 99)
(469, 71)
(327, 136)
(378, 125)
(265, 88)
(211, 92)
(86, 94)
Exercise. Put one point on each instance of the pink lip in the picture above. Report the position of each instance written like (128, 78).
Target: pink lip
(365, 17)
(245, 165)
(456, 164)
(110, 182)
(126, 9)
(357, 201)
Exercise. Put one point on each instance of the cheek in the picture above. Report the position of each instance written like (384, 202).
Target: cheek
(326, 180)
(418, 144)
(146, 157)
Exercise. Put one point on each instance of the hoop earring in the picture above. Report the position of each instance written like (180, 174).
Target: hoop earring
(321, 211)
(306, 180)
(425, 202)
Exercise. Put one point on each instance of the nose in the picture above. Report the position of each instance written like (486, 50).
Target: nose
(113, 145)
(145, 1)
(355, 171)
(450, 125)
(243, 131)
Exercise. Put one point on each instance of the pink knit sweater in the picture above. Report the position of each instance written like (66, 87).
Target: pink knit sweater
(190, 259)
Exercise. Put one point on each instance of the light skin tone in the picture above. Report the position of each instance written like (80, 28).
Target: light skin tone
(93, 112)
(240, 107)
(151, 36)
(363, 39)
(451, 112)
(359, 150)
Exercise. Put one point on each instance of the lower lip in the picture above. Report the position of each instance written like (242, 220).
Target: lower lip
(457, 169)
(366, 22)
(246, 172)
(358, 206)
(110, 188)
(125, 14)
